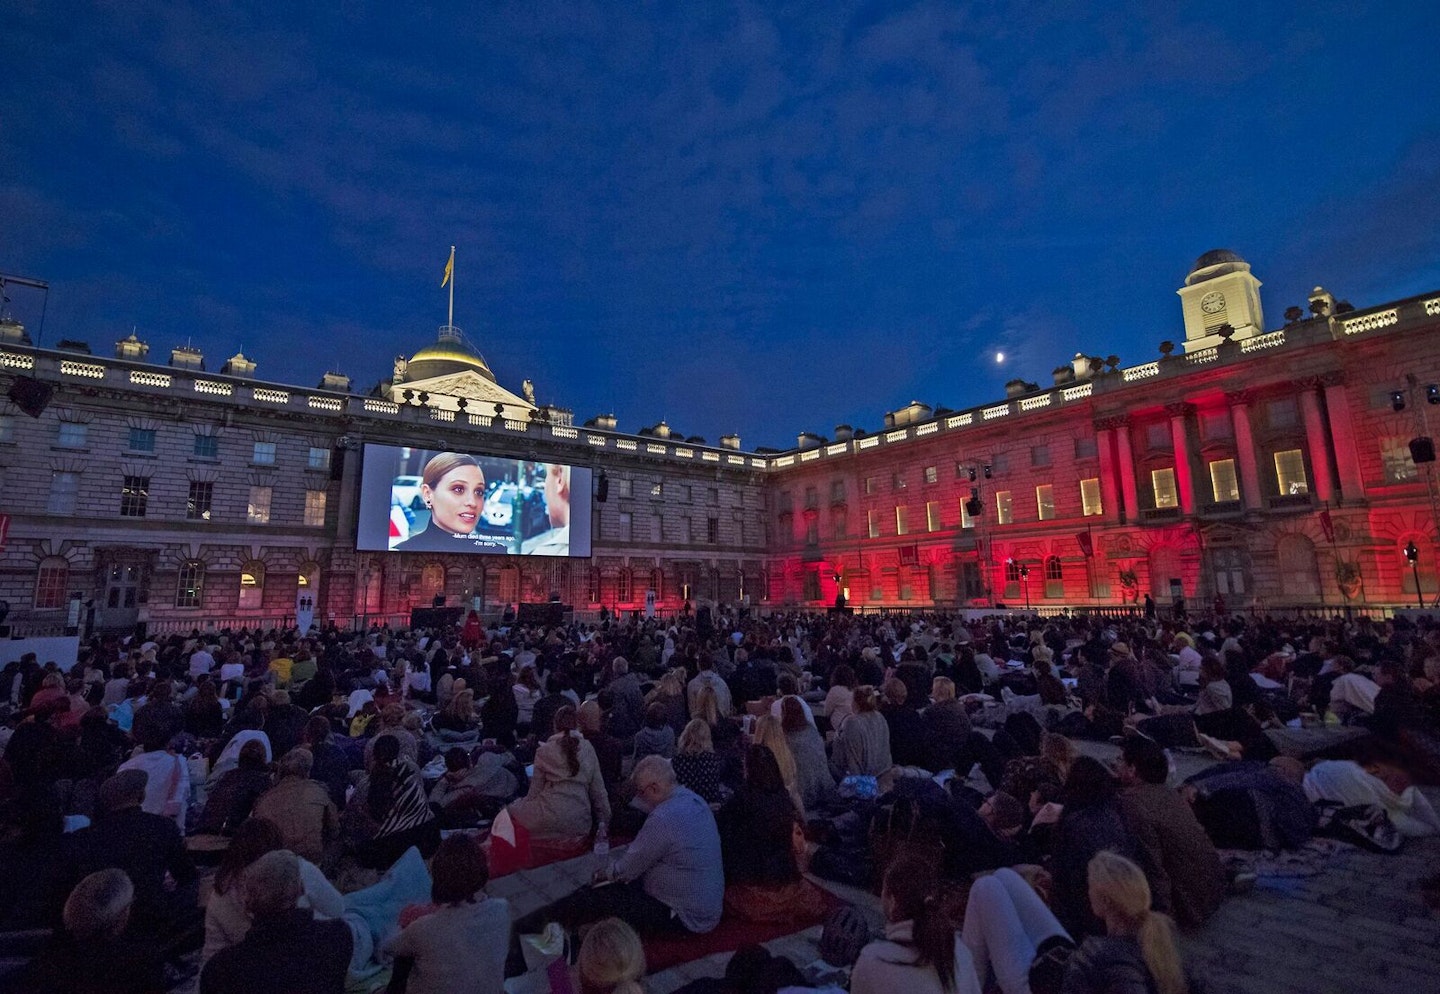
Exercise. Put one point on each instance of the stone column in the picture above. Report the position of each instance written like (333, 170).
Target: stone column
(1315, 440)
(1342, 433)
(1184, 481)
(1127, 470)
(1109, 491)
(1245, 450)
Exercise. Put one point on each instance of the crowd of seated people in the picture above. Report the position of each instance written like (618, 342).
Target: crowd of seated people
(726, 752)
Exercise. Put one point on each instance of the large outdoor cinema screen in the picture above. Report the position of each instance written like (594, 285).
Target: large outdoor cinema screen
(432, 500)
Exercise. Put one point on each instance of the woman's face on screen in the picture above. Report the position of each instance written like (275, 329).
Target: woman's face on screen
(456, 500)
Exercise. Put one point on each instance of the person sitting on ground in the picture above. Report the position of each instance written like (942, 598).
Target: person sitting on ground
(286, 948)
(840, 698)
(233, 798)
(1090, 821)
(461, 945)
(608, 752)
(760, 841)
(1138, 951)
(769, 733)
(301, 808)
(567, 795)
(458, 723)
(542, 717)
(226, 920)
(332, 764)
(470, 791)
(151, 851)
(167, 779)
(391, 722)
(707, 677)
(725, 736)
(813, 779)
(1184, 871)
(671, 878)
(390, 808)
(907, 730)
(656, 738)
(862, 745)
(920, 953)
(669, 693)
(789, 688)
(696, 765)
(628, 703)
(1008, 927)
(611, 960)
(94, 954)
(527, 691)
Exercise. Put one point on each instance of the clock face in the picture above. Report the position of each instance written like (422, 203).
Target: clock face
(1213, 302)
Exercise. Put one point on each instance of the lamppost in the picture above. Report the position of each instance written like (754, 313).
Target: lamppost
(1412, 556)
(1422, 452)
(1025, 585)
(365, 576)
(975, 508)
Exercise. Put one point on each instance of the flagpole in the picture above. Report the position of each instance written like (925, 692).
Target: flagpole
(451, 320)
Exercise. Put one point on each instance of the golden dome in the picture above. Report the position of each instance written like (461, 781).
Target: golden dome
(449, 355)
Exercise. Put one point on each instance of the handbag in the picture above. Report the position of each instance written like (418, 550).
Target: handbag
(1047, 973)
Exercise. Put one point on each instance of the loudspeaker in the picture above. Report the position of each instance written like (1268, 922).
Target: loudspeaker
(1422, 450)
(973, 507)
(602, 489)
(31, 395)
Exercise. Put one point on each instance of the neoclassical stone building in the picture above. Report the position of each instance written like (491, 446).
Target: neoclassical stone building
(1273, 469)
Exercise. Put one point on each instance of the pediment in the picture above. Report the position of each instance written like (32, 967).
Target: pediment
(472, 386)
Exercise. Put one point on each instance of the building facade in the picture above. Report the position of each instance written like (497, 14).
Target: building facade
(1270, 469)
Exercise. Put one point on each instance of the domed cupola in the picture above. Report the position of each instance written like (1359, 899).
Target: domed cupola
(449, 355)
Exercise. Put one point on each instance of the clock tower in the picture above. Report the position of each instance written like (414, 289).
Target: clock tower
(1220, 290)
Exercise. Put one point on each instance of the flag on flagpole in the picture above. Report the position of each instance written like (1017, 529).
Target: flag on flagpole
(449, 268)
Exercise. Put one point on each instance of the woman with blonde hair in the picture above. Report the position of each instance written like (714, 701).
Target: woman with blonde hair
(1138, 951)
(669, 693)
(696, 765)
(769, 732)
(611, 960)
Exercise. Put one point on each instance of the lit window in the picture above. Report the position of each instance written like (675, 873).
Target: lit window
(252, 586)
(1162, 481)
(1398, 464)
(142, 440)
(1040, 455)
(872, 524)
(932, 474)
(257, 511)
(1223, 482)
(1090, 500)
(1290, 472)
(199, 501)
(190, 588)
(319, 458)
(264, 454)
(64, 488)
(1002, 507)
(1045, 501)
(71, 436)
(657, 490)
(314, 508)
(50, 584)
(134, 496)
(932, 515)
(207, 446)
(900, 528)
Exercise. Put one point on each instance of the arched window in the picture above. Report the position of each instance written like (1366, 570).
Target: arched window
(1012, 579)
(657, 584)
(190, 586)
(624, 587)
(432, 582)
(252, 585)
(592, 587)
(1054, 577)
(50, 584)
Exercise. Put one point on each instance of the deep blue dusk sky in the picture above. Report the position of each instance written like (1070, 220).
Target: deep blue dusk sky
(759, 218)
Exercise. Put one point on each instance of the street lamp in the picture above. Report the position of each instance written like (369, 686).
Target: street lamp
(1025, 584)
(1412, 556)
